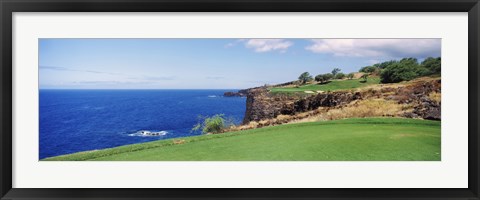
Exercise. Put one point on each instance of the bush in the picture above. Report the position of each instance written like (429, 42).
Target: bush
(323, 77)
(328, 76)
(368, 69)
(433, 65)
(384, 65)
(350, 76)
(423, 71)
(340, 76)
(320, 78)
(401, 71)
(214, 124)
(404, 70)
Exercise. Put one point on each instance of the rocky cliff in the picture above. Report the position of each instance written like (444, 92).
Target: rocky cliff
(262, 105)
(240, 93)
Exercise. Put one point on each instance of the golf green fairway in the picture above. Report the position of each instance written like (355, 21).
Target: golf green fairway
(366, 139)
(330, 86)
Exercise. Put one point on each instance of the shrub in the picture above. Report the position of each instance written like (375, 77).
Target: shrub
(328, 76)
(368, 69)
(433, 65)
(340, 76)
(423, 71)
(323, 77)
(396, 73)
(350, 76)
(405, 61)
(384, 65)
(320, 78)
(214, 124)
(404, 70)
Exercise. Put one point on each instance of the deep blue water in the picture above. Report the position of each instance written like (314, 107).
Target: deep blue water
(80, 120)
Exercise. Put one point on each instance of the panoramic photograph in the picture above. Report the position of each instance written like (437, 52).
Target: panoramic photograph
(239, 99)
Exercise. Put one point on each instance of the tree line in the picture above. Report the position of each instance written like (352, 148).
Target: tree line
(392, 71)
(305, 77)
(406, 69)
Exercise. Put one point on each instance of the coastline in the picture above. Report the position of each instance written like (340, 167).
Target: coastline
(80, 120)
(265, 109)
(222, 146)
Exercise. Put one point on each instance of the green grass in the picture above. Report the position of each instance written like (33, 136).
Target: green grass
(331, 86)
(367, 139)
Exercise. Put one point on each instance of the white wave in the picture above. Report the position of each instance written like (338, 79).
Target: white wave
(146, 133)
(212, 96)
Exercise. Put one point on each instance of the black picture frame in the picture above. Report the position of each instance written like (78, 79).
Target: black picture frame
(7, 7)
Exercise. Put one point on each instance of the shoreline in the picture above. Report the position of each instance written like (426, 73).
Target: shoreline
(242, 135)
(368, 98)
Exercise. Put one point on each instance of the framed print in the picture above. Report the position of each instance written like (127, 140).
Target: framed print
(247, 100)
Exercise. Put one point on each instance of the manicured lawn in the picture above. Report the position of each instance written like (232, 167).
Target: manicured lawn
(368, 139)
(331, 86)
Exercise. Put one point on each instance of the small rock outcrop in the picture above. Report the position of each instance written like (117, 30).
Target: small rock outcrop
(240, 93)
(425, 107)
(234, 94)
(261, 104)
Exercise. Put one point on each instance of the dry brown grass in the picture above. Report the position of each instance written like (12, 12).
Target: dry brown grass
(370, 108)
(250, 125)
(283, 117)
(357, 109)
(423, 79)
(360, 109)
(357, 75)
(178, 141)
(435, 97)
(378, 87)
(397, 85)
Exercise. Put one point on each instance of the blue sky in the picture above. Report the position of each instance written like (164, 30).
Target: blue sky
(210, 63)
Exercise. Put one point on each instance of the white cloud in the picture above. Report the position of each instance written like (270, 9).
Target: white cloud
(391, 48)
(266, 45)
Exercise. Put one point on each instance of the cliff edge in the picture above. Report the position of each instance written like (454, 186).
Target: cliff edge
(419, 99)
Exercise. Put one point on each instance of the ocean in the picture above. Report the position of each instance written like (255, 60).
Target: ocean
(81, 120)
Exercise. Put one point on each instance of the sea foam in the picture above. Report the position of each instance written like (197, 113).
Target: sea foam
(146, 133)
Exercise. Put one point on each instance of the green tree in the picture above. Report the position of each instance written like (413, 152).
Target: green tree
(404, 70)
(305, 77)
(320, 78)
(433, 65)
(214, 124)
(384, 65)
(335, 71)
(408, 61)
(328, 76)
(368, 69)
(423, 71)
(350, 76)
(399, 72)
(340, 76)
